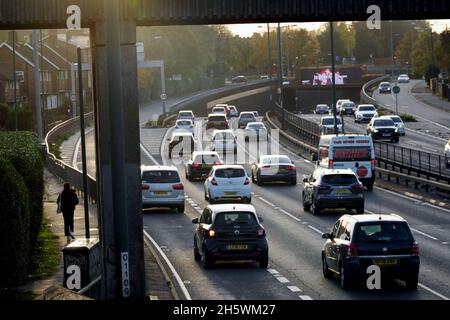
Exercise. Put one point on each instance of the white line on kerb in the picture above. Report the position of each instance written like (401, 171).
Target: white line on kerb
(316, 230)
(282, 279)
(433, 292)
(175, 273)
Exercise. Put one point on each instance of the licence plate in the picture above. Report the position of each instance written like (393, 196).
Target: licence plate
(237, 247)
(342, 191)
(230, 193)
(386, 135)
(385, 262)
(161, 192)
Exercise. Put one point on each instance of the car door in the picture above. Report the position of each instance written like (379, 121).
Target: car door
(336, 246)
(329, 253)
(308, 188)
(202, 228)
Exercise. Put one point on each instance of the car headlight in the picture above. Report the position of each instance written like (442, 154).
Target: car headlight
(396, 129)
(375, 130)
(375, 114)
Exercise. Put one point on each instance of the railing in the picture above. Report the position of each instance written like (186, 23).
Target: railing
(365, 97)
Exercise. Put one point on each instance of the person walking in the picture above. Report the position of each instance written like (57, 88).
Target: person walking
(67, 200)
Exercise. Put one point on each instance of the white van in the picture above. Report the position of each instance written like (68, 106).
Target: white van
(355, 152)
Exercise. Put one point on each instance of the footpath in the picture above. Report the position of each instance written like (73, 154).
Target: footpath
(424, 94)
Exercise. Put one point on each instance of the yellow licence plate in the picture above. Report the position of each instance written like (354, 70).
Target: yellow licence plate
(385, 262)
(342, 191)
(237, 247)
(230, 193)
(161, 192)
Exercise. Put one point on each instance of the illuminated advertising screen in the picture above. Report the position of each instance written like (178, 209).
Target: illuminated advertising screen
(323, 76)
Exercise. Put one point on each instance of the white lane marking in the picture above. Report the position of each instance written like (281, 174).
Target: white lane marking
(294, 289)
(424, 234)
(175, 273)
(433, 292)
(425, 134)
(316, 230)
(149, 155)
(289, 215)
(307, 161)
(272, 271)
(282, 279)
(445, 242)
(268, 202)
(305, 297)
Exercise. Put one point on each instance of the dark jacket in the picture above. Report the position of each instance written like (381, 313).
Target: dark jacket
(68, 200)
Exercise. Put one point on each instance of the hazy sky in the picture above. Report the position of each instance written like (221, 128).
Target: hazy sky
(246, 30)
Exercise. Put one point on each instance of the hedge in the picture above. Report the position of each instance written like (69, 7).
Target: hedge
(14, 225)
(22, 151)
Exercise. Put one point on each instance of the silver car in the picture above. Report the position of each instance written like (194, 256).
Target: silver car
(162, 187)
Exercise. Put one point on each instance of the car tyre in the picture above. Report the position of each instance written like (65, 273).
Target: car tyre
(181, 208)
(293, 182)
(344, 279)
(264, 261)
(197, 255)
(326, 271)
(306, 206)
(253, 178)
(412, 281)
(369, 187)
(360, 210)
(314, 209)
(206, 260)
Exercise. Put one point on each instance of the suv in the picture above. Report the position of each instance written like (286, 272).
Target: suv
(385, 87)
(365, 112)
(357, 242)
(201, 163)
(245, 118)
(217, 121)
(162, 187)
(347, 107)
(183, 141)
(230, 232)
(403, 78)
(332, 189)
(383, 128)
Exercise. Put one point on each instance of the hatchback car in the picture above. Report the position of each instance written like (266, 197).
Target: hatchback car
(200, 164)
(384, 87)
(233, 111)
(245, 118)
(274, 168)
(217, 121)
(322, 109)
(184, 125)
(162, 187)
(359, 241)
(403, 78)
(383, 128)
(230, 232)
(224, 141)
(228, 182)
(332, 189)
(182, 143)
(186, 114)
(255, 131)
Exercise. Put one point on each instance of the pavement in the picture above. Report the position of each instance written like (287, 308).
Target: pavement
(422, 92)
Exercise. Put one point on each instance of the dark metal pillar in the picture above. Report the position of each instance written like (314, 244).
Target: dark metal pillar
(333, 76)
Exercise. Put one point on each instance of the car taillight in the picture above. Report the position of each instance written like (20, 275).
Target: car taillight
(211, 233)
(217, 164)
(145, 187)
(415, 249)
(178, 186)
(323, 188)
(196, 165)
(330, 164)
(372, 162)
(352, 250)
(261, 232)
(357, 187)
(291, 168)
(214, 182)
(247, 181)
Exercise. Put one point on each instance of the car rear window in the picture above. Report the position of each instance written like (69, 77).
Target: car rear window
(339, 179)
(235, 218)
(348, 105)
(230, 173)
(248, 116)
(330, 121)
(160, 176)
(207, 159)
(383, 232)
(276, 160)
(216, 118)
(257, 126)
(219, 109)
(184, 123)
(224, 136)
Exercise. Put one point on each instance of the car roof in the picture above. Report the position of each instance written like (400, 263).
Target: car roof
(158, 168)
(322, 104)
(247, 112)
(222, 131)
(181, 133)
(390, 116)
(267, 156)
(366, 105)
(221, 107)
(227, 207)
(374, 217)
(229, 166)
(326, 171)
(217, 114)
(385, 82)
(256, 122)
(185, 111)
(180, 120)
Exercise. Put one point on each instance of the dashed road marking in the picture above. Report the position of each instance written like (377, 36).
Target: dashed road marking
(424, 234)
(294, 289)
(316, 230)
(282, 279)
(268, 202)
(305, 297)
(289, 215)
(433, 292)
(272, 271)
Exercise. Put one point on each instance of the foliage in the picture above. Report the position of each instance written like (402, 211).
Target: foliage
(407, 117)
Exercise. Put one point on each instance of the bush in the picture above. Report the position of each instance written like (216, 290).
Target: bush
(21, 149)
(14, 225)
(407, 117)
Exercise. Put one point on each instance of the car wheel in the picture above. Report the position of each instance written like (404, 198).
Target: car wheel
(370, 187)
(253, 178)
(293, 182)
(314, 209)
(306, 206)
(396, 140)
(264, 261)
(206, 259)
(259, 181)
(412, 281)
(248, 200)
(180, 208)
(197, 255)
(344, 278)
(360, 210)
(326, 272)
(210, 199)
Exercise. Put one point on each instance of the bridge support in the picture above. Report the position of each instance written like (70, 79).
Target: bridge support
(118, 155)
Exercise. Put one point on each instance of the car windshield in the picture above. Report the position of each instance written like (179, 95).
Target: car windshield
(348, 105)
(385, 85)
(248, 116)
(256, 126)
(185, 115)
(207, 159)
(383, 123)
(352, 154)
(396, 119)
(219, 110)
(160, 176)
(216, 118)
(224, 136)
(366, 108)
(270, 160)
(230, 173)
(184, 123)
(235, 218)
(321, 106)
(383, 232)
(330, 121)
(339, 179)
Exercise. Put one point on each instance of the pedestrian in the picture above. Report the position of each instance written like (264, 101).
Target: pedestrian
(67, 200)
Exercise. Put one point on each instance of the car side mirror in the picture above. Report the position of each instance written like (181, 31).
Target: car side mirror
(195, 221)
(261, 219)
(314, 156)
(327, 236)
(305, 179)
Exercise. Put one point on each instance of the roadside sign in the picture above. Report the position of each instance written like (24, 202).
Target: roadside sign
(73, 98)
(396, 89)
(163, 96)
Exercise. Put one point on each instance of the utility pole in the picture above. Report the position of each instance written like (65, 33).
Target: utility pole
(269, 51)
(333, 77)
(280, 74)
(37, 88)
(15, 77)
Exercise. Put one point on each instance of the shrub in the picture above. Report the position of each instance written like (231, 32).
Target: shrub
(14, 225)
(407, 117)
(22, 151)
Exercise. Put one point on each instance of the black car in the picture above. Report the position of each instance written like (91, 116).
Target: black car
(274, 168)
(383, 128)
(183, 143)
(238, 79)
(201, 164)
(230, 232)
(359, 241)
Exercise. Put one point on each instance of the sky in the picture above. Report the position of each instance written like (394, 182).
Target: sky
(246, 30)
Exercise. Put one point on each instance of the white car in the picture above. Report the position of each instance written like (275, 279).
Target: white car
(365, 112)
(186, 114)
(403, 78)
(233, 111)
(162, 187)
(223, 141)
(327, 124)
(219, 110)
(185, 125)
(398, 123)
(255, 131)
(228, 182)
(447, 153)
